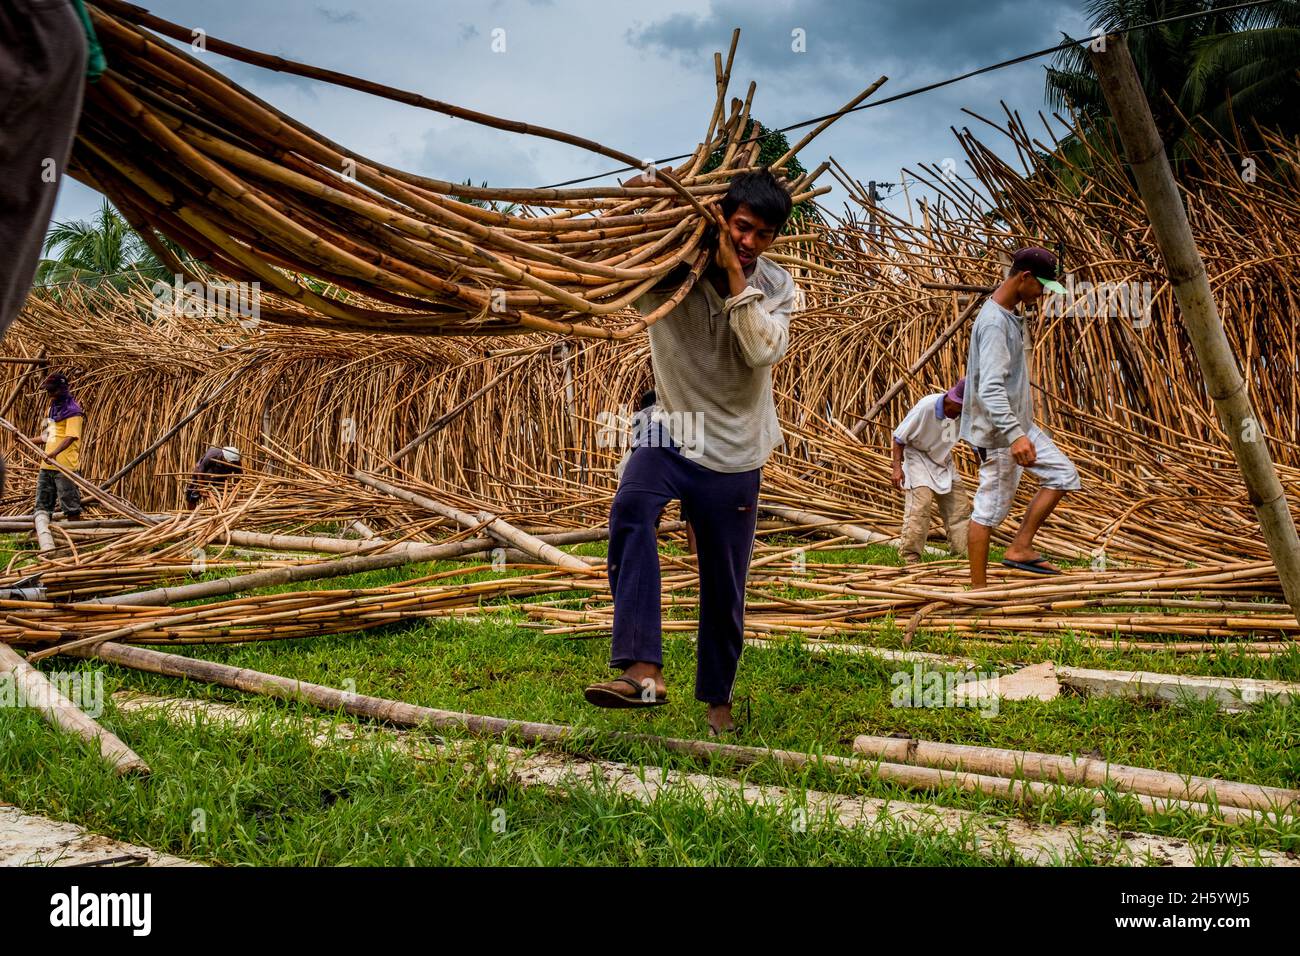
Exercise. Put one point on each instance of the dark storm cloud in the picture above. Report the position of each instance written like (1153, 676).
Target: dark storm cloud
(811, 57)
(339, 16)
(935, 33)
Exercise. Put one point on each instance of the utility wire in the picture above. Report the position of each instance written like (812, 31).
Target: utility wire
(940, 84)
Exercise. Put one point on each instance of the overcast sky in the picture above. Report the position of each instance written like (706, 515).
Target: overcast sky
(633, 76)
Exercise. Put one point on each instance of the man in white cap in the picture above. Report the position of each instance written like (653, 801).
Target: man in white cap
(212, 470)
(923, 468)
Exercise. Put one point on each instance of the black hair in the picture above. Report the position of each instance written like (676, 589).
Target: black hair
(648, 399)
(762, 193)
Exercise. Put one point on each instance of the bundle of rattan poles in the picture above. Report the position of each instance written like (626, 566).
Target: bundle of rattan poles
(258, 197)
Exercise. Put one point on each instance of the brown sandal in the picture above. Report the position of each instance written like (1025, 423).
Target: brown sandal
(599, 696)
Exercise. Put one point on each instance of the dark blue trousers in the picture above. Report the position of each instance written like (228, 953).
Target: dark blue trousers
(723, 510)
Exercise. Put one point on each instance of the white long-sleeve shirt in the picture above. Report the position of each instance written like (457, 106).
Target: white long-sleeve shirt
(712, 359)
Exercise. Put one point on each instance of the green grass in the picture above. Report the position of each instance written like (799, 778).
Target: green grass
(265, 796)
(270, 798)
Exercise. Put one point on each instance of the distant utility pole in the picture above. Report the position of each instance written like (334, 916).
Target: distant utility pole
(1173, 233)
(874, 195)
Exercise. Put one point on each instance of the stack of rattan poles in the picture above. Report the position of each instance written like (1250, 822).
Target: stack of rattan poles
(540, 445)
(1180, 610)
(256, 196)
(1119, 391)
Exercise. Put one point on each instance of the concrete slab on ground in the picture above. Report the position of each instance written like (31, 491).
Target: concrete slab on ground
(1035, 682)
(27, 839)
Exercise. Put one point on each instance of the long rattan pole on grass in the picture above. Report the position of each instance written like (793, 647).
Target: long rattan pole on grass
(58, 711)
(495, 526)
(301, 572)
(1078, 771)
(559, 735)
(809, 520)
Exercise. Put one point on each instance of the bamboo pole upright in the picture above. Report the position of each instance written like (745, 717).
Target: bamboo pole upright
(1223, 379)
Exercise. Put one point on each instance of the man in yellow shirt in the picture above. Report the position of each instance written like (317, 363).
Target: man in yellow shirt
(63, 444)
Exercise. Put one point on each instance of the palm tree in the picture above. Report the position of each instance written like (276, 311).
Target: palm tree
(507, 209)
(103, 251)
(1241, 65)
(1258, 67)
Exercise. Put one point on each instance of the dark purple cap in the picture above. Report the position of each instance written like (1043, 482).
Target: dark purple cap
(1041, 264)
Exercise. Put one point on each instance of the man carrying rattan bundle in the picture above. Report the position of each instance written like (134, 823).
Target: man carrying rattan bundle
(46, 51)
(998, 421)
(713, 427)
(923, 468)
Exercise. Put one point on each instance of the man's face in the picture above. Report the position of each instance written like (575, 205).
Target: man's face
(749, 234)
(950, 408)
(1031, 290)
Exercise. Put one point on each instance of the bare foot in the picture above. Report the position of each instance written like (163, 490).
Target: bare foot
(720, 719)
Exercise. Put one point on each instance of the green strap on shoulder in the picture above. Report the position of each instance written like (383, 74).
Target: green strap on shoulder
(95, 62)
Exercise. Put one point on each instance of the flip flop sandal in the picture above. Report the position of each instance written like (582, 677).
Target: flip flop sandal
(736, 726)
(732, 731)
(1036, 566)
(599, 696)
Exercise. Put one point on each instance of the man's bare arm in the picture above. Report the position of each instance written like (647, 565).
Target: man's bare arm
(896, 475)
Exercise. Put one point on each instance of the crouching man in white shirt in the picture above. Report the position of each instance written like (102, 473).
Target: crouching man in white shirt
(923, 467)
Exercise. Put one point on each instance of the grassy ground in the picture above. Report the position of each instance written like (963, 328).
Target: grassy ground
(267, 797)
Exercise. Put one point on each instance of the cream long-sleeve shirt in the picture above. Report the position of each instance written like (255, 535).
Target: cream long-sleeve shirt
(712, 360)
